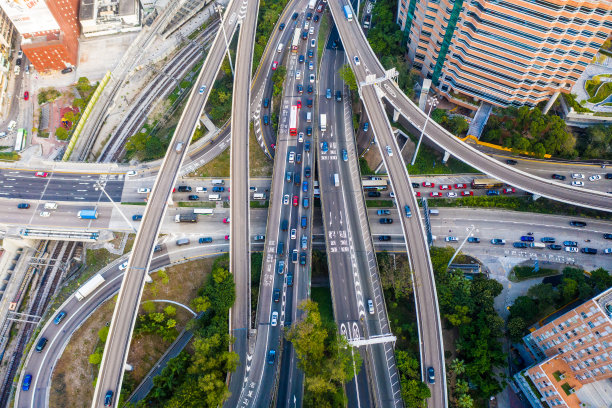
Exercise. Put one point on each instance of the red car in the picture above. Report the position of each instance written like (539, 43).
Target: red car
(417, 194)
(467, 193)
(461, 185)
(274, 65)
(320, 8)
(295, 201)
(428, 184)
(273, 146)
(26, 95)
(41, 174)
(435, 194)
(509, 190)
(445, 187)
(299, 104)
(227, 237)
(226, 220)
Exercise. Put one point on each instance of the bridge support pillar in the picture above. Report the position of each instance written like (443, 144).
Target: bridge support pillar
(550, 102)
(395, 115)
(535, 197)
(446, 157)
(148, 278)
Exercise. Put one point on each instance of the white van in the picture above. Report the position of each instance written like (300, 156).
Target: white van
(434, 212)
(214, 197)
(50, 206)
(259, 196)
(308, 116)
(280, 47)
(218, 182)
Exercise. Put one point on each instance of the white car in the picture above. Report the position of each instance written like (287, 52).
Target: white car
(298, 74)
(286, 199)
(370, 306)
(451, 239)
(577, 183)
(451, 194)
(131, 173)
(291, 157)
(123, 266)
(571, 249)
(607, 251)
(143, 190)
(300, 137)
(595, 177)
(312, 78)
(389, 151)
(356, 59)
(45, 213)
(202, 89)
(306, 25)
(311, 31)
(577, 175)
(293, 233)
(313, 43)
(274, 319)
(310, 65)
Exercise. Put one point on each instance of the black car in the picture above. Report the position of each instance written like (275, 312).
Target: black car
(555, 247)
(309, 89)
(205, 240)
(284, 225)
(276, 295)
(294, 16)
(281, 27)
(384, 238)
(184, 189)
(558, 177)
(300, 89)
(373, 194)
(193, 197)
(259, 238)
(18, 62)
(266, 102)
(577, 223)
(41, 344)
(474, 240)
(303, 258)
(23, 205)
(308, 16)
(307, 172)
(607, 236)
(609, 176)
(67, 70)
(416, 185)
(309, 103)
(431, 375)
(511, 162)
(304, 35)
(309, 131)
(591, 251)
(339, 96)
(548, 240)
(310, 53)
(136, 217)
(316, 18)
(301, 59)
(386, 221)
(108, 398)
(520, 245)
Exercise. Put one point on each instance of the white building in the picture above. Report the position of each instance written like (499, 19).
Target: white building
(104, 17)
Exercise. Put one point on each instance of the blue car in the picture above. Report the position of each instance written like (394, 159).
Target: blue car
(60, 316)
(520, 245)
(344, 155)
(324, 147)
(27, 380)
(136, 217)
(271, 356)
(301, 59)
(305, 186)
(527, 238)
(492, 192)
(218, 189)
(366, 126)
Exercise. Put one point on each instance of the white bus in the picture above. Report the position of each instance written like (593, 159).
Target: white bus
(296, 40)
(20, 139)
(214, 197)
(311, 4)
(203, 211)
(218, 182)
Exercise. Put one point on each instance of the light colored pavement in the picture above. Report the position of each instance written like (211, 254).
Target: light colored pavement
(115, 355)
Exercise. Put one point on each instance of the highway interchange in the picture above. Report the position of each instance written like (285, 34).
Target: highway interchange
(429, 323)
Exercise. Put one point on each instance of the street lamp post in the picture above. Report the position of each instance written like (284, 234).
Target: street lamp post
(229, 57)
(470, 232)
(99, 185)
(433, 102)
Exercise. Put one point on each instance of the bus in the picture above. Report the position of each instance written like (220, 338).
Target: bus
(293, 118)
(374, 185)
(296, 40)
(203, 211)
(311, 4)
(20, 139)
(348, 13)
(486, 183)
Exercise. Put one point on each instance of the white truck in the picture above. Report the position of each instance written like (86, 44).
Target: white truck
(89, 286)
(323, 122)
(336, 179)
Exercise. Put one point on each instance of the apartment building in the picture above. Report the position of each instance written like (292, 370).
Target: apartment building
(574, 349)
(7, 37)
(505, 52)
(49, 31)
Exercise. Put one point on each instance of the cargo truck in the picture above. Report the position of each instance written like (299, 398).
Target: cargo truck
(537, 245)
(186, 218)
(88, 214)
(89, 287)
(323, 122)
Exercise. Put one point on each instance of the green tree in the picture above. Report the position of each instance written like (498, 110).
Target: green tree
(524, 307)
(103, 334)
(200, 304)
(516, 328)
(170, 310)
(457, 125)
(95, 358)
(278, 79)
(61, 133)
(348, 77)
(544, 293)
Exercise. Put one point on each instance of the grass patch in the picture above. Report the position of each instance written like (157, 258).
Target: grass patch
(259, 164)
(523, 204)
(521, 273)
(567, 388)
(199, 204)
(323, 33)
(557, 375)
(9, 156)
(603, 92)
(134, 203)
(322, 295)
(256, 263)
(429, 161)
(379, 203)
(259, 204)
(218, 167)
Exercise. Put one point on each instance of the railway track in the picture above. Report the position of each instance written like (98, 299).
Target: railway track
(47, 286)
